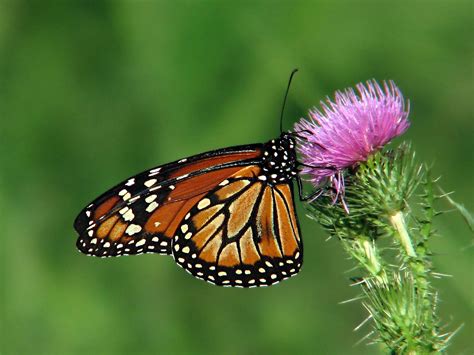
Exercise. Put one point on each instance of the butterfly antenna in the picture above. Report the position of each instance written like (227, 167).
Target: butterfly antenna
(284, 99)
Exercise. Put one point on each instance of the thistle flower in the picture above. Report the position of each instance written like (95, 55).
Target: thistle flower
(348, 130)
(344, 140)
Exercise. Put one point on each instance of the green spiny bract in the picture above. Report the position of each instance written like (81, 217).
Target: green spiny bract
(383, 195)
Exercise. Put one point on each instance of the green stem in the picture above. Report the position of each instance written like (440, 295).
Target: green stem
(419, 270)
(374, 264)
(398, 222)
(415, 262)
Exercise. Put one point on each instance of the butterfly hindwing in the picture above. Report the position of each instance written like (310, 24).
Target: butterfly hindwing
(244, 233)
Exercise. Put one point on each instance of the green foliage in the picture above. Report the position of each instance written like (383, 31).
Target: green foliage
(381, 197)
(462, 210)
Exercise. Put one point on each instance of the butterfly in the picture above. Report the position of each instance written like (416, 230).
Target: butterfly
(226, 216)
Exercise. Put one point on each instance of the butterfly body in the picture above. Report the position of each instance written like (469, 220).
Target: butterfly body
(279, 160)
(225, 216)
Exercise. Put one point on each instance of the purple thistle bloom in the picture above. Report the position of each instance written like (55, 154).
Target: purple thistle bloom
(349, 129)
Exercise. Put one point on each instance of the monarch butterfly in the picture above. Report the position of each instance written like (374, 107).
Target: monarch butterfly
(225, 216)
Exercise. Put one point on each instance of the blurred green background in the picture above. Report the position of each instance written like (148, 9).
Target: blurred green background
(93, 92)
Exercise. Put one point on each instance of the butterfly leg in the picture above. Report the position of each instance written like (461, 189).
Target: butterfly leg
(313, 196)
(326, 167)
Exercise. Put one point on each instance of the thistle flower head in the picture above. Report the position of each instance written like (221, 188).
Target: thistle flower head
(349, 129)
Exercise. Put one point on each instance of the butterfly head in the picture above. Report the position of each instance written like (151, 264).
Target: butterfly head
(279, 160)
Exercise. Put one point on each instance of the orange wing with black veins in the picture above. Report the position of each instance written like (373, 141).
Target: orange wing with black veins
(141, 214)
(244, 233)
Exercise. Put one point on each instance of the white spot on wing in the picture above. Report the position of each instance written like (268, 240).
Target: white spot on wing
(150, 198)
(134, 198)
(128, 216)
(123, 210)
(151, 207)
(203, 203)
(133, 229)
(150, 182)
(154, 172)
(130, 182)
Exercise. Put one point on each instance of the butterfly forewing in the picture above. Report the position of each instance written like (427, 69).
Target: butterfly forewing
(142, 213)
